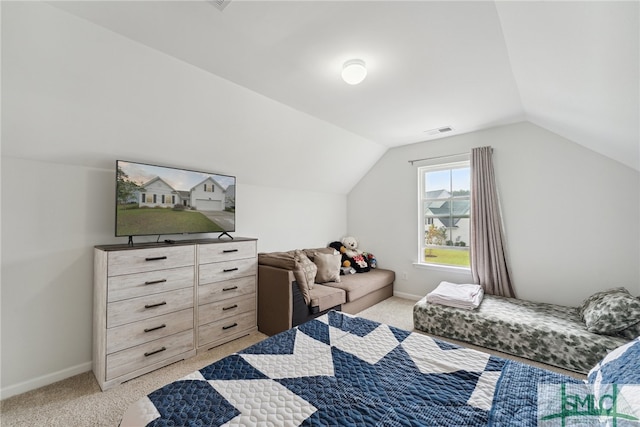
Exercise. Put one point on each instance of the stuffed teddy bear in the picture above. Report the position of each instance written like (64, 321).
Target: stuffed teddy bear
(354, 255)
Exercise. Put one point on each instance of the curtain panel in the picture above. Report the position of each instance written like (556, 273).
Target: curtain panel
(487, 244)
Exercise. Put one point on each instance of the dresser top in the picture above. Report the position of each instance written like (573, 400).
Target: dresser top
(162, 244)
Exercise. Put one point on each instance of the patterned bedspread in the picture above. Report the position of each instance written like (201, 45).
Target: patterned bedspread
(547, 333)
(341, 370)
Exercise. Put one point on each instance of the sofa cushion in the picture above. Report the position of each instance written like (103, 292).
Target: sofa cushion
(304, 270)
(328, 267)
(285, 260)
(325, 297)
(360, 284)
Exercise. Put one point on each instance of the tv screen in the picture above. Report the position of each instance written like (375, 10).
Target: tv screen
(161, 200)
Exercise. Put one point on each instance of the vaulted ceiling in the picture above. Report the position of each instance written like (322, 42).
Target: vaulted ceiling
(570, 67)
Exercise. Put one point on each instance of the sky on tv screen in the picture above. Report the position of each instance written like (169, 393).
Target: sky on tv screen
(179, 179)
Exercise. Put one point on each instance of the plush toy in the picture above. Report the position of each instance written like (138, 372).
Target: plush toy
(345, 262)
(371, 259)
(338, 246)
(354, 255)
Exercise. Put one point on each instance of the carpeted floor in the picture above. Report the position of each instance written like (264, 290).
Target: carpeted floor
(78, 401)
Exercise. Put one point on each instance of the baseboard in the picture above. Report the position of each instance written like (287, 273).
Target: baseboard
(44, 380)
(407, 296)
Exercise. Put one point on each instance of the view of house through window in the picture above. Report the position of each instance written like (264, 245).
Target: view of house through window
(445, 206)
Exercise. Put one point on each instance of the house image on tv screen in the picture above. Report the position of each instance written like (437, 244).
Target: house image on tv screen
(208, 195)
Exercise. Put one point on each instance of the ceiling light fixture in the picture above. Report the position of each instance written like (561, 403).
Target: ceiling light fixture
(354, 71)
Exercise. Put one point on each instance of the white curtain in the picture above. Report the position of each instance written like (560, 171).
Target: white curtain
(488, 258)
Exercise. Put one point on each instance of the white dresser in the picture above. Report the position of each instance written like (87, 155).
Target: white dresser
(155, 304)
(227, 300)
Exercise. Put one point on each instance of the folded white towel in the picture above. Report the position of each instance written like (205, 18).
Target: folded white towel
(467, 296)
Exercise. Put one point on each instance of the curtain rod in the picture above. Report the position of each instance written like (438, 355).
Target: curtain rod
(436, 157)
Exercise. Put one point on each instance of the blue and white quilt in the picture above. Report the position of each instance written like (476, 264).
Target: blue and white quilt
(341, 370)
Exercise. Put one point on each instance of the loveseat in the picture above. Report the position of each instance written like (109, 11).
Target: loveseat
(299, 285)
(572, 338)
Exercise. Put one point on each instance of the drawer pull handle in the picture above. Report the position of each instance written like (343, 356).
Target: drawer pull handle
(230, 326)
(226, 251)
(228, 270)
(155, 305)
(229, 308)
(155, 258)
(155, 282)
(156, 328)
(230, 289)
(154, 352)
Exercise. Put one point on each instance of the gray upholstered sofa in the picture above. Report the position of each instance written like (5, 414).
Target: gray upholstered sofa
(552, 334)
(287, 296)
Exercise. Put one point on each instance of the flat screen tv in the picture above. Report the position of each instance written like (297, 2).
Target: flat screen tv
(162, 200)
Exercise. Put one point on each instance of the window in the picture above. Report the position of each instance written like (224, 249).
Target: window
(445, 207)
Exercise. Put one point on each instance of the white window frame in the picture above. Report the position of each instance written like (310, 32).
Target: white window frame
(464, 161)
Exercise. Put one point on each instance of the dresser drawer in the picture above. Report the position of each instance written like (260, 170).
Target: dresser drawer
(218, 332)
(214, 311)
(226, 270)
(149, 259)
(152, 282)
(138, 357)
(211, 292)
(217, 252)
(137, 333)
(135, 309)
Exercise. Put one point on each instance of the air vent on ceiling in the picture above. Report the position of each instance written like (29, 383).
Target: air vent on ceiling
(438, 130)
(220, 4)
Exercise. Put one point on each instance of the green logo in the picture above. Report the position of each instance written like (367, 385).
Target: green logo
(577, 404)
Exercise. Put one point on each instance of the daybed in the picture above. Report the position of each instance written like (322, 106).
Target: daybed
(547, 333)
(342, 370)
(289, 294)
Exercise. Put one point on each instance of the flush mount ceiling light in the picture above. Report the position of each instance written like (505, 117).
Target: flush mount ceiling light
(354, 71)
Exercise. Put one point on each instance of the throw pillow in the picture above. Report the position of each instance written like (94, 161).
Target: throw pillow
(311, 253)
(308, 268)
(328, 267)
(612, 313)
(593, 299)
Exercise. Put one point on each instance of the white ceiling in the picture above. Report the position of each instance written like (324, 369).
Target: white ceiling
(570, 67)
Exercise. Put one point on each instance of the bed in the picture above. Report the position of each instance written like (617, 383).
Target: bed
(547, 333)
(342, 370)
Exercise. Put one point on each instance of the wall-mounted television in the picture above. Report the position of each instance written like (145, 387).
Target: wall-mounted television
(162, 200)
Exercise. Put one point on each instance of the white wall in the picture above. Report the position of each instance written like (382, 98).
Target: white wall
(77, 97)
(572, 216)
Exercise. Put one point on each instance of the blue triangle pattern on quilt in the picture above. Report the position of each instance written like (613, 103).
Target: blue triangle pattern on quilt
(233, 367)
(206, 406)
(353, 325)
(400, 334)
(317, 330)
(282, 343)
